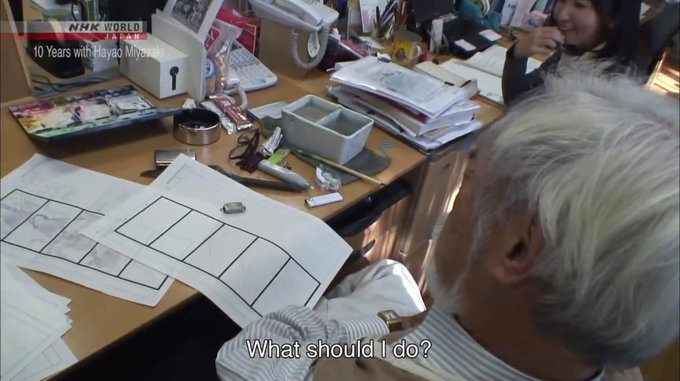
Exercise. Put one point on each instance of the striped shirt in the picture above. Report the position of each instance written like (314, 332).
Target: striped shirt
(453, 351)
(293, 324)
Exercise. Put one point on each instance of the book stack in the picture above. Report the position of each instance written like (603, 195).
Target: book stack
(424, 111)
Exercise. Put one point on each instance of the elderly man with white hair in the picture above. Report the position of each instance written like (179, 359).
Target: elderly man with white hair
(559, 261)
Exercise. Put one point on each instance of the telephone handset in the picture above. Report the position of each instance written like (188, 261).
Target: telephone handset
(307, 15)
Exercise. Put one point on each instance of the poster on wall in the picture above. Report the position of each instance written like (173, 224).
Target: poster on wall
(195, 15)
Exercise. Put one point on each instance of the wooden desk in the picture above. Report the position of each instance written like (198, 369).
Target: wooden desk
(434, 185)
(100, 320)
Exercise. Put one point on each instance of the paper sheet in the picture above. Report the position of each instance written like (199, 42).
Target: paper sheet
(44, 205)
(492, 61)
(248, 264)
(490, 86)
(32, 319)
(643, 9)
(55, 358)
(487, 68)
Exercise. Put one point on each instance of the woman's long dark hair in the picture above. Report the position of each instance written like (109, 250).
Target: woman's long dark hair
(621, 39)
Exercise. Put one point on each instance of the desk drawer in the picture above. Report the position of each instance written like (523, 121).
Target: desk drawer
(375, 223)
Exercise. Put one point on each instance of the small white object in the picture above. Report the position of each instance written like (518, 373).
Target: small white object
(155, 65)
(189, 103)
(323, 200)
(490, 35)
(465, 45)
(270, 146)
(437, 34)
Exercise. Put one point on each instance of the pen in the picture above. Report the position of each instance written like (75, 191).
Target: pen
(255, 182)
(402, 14)
(389, 9)
(377, 16)
(386, 21)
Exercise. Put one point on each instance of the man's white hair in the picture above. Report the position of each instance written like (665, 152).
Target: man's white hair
(596, 160)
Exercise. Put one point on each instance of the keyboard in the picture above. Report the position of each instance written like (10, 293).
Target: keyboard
(252, 73)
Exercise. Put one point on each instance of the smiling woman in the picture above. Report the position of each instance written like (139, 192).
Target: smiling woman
(577, 29)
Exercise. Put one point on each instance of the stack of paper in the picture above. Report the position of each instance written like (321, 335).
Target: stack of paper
(486, 68)
(44, 205)
(33, 321)
(425, 111)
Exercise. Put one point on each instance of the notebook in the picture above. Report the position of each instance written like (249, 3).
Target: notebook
(485, 67)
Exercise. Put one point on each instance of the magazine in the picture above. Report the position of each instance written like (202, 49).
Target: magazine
(74, 115)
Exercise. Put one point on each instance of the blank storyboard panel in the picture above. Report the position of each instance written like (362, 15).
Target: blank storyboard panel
(248, 264)
(45, 203)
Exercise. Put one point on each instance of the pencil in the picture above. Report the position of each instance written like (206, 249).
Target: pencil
(342, 168)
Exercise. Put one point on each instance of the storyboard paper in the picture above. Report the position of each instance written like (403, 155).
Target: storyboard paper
(32, 318)
(44, 205)
(55, 358)
(248, 264)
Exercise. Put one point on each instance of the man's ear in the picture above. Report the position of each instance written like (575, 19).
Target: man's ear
(520, 252)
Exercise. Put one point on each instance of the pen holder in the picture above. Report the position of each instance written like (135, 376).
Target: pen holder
(406, 48)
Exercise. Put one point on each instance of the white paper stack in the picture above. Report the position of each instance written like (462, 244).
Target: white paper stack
(423, 110)
(33, 321)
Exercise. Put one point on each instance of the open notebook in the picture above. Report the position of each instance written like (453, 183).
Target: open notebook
(485, 67)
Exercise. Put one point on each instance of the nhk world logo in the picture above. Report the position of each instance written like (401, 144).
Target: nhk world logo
(78, 30)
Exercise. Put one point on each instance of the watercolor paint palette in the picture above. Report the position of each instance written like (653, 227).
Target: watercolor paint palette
(75, 115)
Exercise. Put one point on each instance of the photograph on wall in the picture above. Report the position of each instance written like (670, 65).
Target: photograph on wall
(195, 15)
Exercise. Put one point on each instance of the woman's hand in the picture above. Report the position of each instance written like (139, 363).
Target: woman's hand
(543, 40)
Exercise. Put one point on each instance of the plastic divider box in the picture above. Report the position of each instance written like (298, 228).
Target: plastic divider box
(323, 128)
